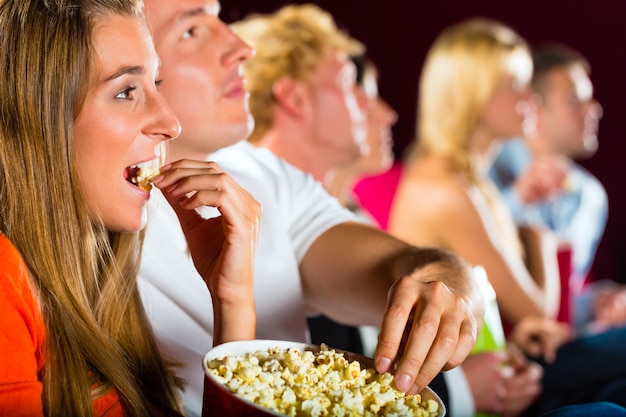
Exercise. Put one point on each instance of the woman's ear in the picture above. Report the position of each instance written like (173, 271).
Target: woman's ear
(290, 95)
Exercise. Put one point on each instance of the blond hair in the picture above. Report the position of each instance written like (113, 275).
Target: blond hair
(461, 72)
(84, 277)
(288, 43)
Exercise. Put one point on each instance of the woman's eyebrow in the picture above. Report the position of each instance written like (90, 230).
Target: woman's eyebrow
(134, 69)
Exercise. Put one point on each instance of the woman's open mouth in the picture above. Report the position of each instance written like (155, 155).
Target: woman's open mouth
(142, 174)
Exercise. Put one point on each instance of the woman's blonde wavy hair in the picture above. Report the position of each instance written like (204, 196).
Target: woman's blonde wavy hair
(97, 336)
(288, 43)
(461, 72)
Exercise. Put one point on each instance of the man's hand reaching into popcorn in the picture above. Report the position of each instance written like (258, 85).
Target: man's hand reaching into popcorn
(426, 298)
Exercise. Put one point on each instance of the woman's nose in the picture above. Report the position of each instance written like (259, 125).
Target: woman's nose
(166, 125)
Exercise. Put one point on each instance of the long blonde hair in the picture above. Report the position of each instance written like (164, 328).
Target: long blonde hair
(461, 72)
(288, 43)
(97, 336)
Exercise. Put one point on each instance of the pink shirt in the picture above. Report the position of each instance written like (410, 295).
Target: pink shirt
(375, 194)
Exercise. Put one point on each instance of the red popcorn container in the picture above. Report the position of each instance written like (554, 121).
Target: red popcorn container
(219, 401)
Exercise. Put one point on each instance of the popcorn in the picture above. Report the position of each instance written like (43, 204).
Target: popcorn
(145, 174)
(297, 383)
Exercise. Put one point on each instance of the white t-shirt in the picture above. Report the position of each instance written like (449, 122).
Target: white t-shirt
(296, 210)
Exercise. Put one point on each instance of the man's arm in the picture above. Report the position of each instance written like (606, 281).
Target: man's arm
(423, 299)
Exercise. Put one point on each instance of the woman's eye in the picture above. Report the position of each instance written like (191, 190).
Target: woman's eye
(126, 93)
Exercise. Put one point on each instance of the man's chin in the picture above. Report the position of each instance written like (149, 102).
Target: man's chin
(233, 133)
(586, 148)
(590, 143)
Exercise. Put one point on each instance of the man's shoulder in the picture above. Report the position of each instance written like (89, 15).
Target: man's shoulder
(515, 148)
(245, 157)
(586, 181)
(256, 167)
(510, 158)
(584, 172)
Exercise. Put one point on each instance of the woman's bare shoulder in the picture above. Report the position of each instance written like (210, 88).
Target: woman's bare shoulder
(432, 187)
(430, 207)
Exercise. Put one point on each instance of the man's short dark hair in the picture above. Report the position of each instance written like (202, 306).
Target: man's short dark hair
(548, 57)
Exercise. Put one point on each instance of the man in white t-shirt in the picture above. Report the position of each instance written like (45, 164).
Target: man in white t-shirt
(313, 257)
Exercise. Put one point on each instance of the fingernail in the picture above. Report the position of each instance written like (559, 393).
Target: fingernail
(383, 364)
(404, 382)
(507, 372)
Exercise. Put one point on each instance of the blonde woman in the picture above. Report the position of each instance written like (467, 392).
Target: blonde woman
(80, 113)
(474, 91)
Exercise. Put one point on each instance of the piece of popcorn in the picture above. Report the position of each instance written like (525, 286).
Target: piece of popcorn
(288, 397)
(234, 384)
(272, 365)
(146, 173)
(432, 406)
(316, 407)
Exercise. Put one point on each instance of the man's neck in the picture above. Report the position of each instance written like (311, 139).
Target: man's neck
(175, 152)
(538, 145)
(295, 151)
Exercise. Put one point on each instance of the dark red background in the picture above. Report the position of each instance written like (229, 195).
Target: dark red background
(399, 32)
